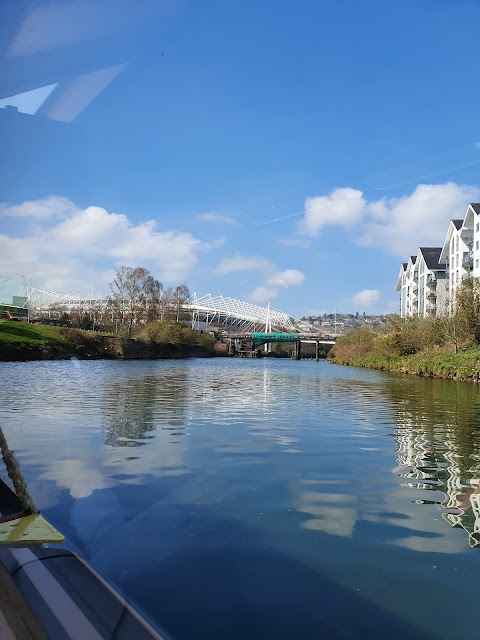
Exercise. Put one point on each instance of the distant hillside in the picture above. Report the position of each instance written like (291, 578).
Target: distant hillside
(344, 322)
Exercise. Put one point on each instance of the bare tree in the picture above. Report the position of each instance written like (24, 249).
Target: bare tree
(467, 309)
(153, 290)
(166, 305)
(180, 295)
(136, 296)
(127, 295)
(461, 323)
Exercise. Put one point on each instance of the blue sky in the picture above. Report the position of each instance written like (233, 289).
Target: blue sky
(291, 153)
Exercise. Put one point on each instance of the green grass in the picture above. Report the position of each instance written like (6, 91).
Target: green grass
(21, 333)
(464, 365)
(22, 341)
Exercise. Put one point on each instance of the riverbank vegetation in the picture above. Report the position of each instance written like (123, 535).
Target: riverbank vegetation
(135, 298)
(444, 347)
(22, 341)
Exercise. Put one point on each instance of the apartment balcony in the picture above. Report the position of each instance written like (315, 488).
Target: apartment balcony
(467, 260)
(432, 281)
(415, 286)
(466, 276)
(431, 295)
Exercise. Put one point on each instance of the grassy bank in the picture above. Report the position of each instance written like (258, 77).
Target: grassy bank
(22, 341)
(412, 345)
(464, 365)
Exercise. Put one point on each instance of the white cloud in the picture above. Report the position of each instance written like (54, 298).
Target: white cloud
(210, 216)
(43, 209)
(400, 225)
(72, 245)
(273, 280)
(272, 285)
(244, 263)
(263, 294)
(341, 207)
(214, 243)
(287, 278)
(366, 298)
(397, 225)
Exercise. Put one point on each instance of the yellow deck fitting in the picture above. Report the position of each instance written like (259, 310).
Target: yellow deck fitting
(32, 529)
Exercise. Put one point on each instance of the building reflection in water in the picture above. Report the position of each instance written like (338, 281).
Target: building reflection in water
(438, 449)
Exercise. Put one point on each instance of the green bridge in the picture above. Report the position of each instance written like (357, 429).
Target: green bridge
(259, 338)
(248, 343)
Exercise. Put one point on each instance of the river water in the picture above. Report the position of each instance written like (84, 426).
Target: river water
(235, 498)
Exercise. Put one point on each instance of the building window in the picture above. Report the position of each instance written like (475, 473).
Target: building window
(477, 227)
(476, 245)
(476, 263)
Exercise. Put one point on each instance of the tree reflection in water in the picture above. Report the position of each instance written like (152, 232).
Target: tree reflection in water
(133, 409)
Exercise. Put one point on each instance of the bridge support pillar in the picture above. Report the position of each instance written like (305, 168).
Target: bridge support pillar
(297, 352)
(317, 344)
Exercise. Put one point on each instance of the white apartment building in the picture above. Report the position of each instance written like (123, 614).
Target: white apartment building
(461, 249)
(454, 248)
(428, 281)
(405, 285)
(422, 284)
(402, 286)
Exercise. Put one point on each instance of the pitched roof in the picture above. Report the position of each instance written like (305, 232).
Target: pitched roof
(413, 258)
(431, 256)
(476, 207)
(458, 223)
(404, 265)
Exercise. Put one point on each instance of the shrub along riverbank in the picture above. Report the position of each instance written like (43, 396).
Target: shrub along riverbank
(409, 345)
(22, 341)
(443, 347)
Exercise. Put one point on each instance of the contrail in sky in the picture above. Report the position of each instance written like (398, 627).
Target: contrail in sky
(431, 175)
(280, 219)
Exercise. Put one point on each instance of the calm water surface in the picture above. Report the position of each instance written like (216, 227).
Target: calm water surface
(260, 498)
